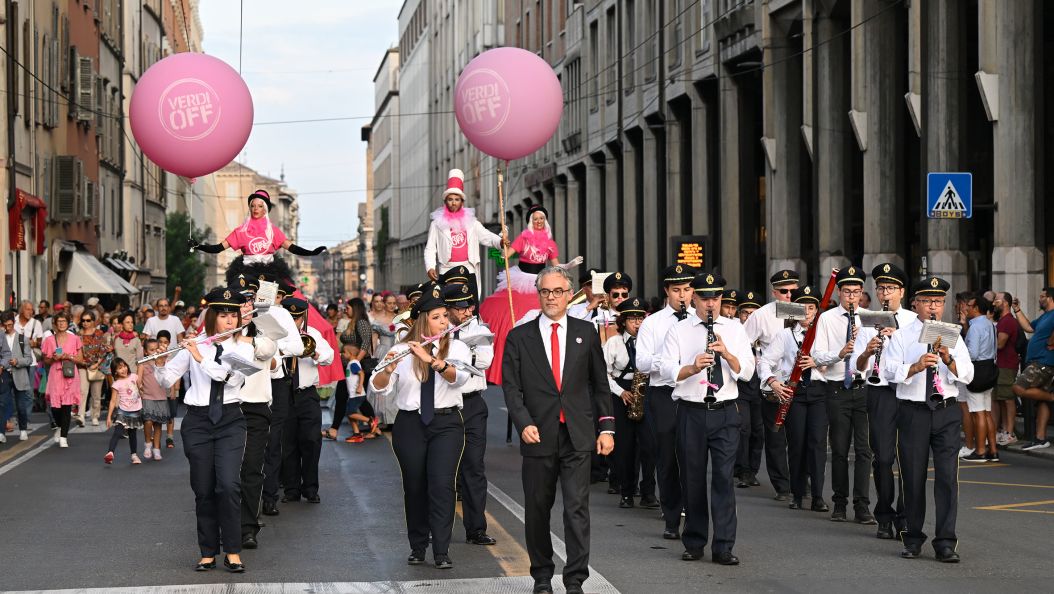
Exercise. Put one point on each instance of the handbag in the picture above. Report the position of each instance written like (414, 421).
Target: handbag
(69, 369)
(95, 375)
(985, 376)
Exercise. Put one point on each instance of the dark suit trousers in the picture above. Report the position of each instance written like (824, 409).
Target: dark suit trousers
(919, 430)
(632, 451)
(257, 430)
(882, 421)
(472, 475)
(214, 453)
(302, 444)
(847, 414)
(428, 458)
(751, 434)
(540, 474)
(807, 440)
(775, 448)
(280, 398)
(662, 413)
(704, 436)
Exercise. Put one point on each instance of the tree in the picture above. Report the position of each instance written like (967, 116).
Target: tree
(185, 269)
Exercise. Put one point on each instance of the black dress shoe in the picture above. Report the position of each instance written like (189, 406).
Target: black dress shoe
(314, 498)
(249, 542)
(233, 567)
(864, 516)
(416, 558)
(290, 498)
(838, 515)
(947, 555)
(625, 502)
(725, 558)
(613, 490)
(795, 504)
(691, 555)
(910, 552)
(885, 532)
(819, 505)
(543, 587)
(481, 538)
(782, 497)
(202, 566)
(444, 562)
(573, 589)
(754, 480)
(649, 502)
(671, 534)
(742, 482)
(270, 508)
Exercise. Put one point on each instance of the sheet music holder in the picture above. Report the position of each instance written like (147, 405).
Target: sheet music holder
(268, 326)
(465, 367)
(947, 332)
(786, 310)
(266, 294)
(598, 281)
(239, 364)
(877, 319)
(485, 338)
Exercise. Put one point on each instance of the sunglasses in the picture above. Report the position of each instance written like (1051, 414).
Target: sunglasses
(86, 320)
(784, 291)
(620, 294)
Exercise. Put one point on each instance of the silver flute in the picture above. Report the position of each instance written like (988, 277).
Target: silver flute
(408, 352)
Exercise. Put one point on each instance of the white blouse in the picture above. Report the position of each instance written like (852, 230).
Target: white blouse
(408, 388)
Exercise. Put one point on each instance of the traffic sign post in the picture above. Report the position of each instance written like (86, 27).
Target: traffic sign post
(949, 195)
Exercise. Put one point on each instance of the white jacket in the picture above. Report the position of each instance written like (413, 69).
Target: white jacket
(437, 249)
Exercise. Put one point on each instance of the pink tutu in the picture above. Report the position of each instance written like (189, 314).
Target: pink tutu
(495, 312)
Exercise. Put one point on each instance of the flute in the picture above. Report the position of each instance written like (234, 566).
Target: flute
(199, 340)
(408, 352)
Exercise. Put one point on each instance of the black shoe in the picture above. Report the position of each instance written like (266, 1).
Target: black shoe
(691, 555)
(726, 558)
(205, 566)
(481, 538)
(898, 531)
(270, 508)
(290, 498)
(613, 490)
(543, 587)
(838, 515)
(947, 555)
(795, 503)
(885, 531)
(864, 516)
(742, 481)
(783, 497)
(625, 502)
(444, 562)
(416, 558)
(819, 505)
(573, 589)
(910, 552)
(671, 534)
(649, 502)
(233, 567)
(314, 498)
(249, 542)
(993, 457)
(753, 479)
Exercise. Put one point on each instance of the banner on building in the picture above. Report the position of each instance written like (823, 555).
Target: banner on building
(16, 227)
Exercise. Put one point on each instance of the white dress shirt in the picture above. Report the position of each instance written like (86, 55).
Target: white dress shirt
(779, 359)
(257, 387)
(830, 338)
(687, 339)
(650, 339)
(546, 326)
(408, 388)
(904, 350)
(763, 326)
(582, 312)
(203, 374)
(481, 355)
(307, 367)
(616, 358)
(290, 345)
(904, 317)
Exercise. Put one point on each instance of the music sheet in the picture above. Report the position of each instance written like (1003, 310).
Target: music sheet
(934, 329)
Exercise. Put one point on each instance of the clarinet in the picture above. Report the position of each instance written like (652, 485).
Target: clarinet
(683, 313)
(710, 338)
(874, 379)
(932, 377)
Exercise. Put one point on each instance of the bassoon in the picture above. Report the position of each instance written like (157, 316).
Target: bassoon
(806, 347)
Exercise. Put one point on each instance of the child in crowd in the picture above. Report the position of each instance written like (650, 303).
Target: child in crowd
(164, 340)
(155, 404)
(124, 397)
(356, 381)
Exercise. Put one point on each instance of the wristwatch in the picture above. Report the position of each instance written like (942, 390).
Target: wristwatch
(228, 378)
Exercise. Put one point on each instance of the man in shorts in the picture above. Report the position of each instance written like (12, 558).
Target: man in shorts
(1036, 382)
(1004, 405)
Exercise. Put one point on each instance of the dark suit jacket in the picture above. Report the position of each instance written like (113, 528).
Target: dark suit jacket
(530, 390)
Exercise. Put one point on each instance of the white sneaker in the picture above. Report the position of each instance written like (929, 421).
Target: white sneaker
(23, 435)
(1011, 438)
(146, 453)
(1001, 438)
(964, 452)
(157, 453)
(58, 434)
(63, 443)
(3, 438)
(95, 422)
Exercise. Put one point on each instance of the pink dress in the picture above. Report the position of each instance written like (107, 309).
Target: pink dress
(536, 249)
(251, 238)
(62, 391)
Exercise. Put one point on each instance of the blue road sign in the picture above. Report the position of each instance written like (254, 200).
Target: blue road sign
(949, 195)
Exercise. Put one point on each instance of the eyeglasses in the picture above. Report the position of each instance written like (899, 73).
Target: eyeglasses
(784, 291)
(886, 289)
(929, 302)
(620, 294)
(852, 293)
(558, 293)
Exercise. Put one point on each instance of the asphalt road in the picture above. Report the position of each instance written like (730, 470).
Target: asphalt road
(71, 523)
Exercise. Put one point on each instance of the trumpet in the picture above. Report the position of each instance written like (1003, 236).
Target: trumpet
(199, 340)
(404, 354)
(309, 344)
(874, 378)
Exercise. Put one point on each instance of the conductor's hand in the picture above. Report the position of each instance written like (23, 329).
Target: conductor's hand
(605, 444)
(432, 274)
(530, 434)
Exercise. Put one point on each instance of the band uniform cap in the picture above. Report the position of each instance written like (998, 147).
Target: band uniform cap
(784, 277)
(933, 285)
(678, 273)
(730, 296)
(416, 291)
(286, 288)
(708, 284)
(458, 295)
(533, 209)
(889, 273)
(430, 299)
(262, 195)
(850, 275)
(295, 306)
(618, 279)
(586, 278)
(248, 282)
(457, 274)
(224, 299)
(455, 183)
(749, 299)
(632, 307)
(805, 294)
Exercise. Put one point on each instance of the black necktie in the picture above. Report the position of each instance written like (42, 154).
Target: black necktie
(428, 397)
(680, 314)
(631, 349)
(294, 373)
(216, 394)
(848, 381)
(717, 376)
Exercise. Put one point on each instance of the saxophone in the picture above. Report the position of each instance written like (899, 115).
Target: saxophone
(635, 410)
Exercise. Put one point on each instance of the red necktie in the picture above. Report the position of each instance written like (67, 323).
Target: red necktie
(554, 340)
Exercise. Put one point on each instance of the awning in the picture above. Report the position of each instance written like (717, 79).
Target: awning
(89, 275)
(121, 265)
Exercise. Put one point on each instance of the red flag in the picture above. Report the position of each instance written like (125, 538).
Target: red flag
(334, 372)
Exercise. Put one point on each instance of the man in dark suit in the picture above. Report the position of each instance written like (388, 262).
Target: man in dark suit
(550, 368)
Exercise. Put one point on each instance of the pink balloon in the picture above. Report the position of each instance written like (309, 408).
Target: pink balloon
(508, 102)
(191, 114)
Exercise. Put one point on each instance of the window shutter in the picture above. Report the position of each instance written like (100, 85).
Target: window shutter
(65, 188)
(85, 89)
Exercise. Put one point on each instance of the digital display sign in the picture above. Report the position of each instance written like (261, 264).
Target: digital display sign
(690, 250)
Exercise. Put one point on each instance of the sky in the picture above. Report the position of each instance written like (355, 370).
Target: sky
(316, 62)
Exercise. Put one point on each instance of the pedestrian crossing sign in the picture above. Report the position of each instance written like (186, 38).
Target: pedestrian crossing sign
(949, 195)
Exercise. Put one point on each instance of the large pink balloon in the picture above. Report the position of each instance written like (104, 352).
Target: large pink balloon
(508, 102)
(191, 114)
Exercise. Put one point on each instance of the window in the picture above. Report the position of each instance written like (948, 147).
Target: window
(594, 64)
(611, 55)
(705, 15)
(676, 29)
(651, 45)
(629, 64)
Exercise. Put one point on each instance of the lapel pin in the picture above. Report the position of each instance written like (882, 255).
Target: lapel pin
(579, 340)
